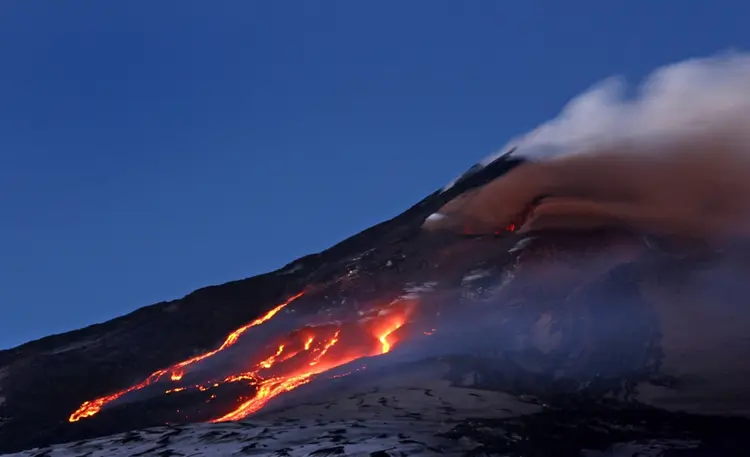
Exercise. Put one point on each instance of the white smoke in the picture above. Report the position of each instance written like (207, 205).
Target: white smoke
(693, 116)
(692, 97)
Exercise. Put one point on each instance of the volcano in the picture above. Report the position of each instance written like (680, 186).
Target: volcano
(581, 340)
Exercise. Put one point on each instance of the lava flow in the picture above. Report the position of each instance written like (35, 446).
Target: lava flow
(288, 362)
(90, 408)
(314, 350)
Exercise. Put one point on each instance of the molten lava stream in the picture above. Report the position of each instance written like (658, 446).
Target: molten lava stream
(90, 408)
(315, 350)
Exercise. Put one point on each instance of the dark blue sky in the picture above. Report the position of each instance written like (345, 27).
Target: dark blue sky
(148, 148)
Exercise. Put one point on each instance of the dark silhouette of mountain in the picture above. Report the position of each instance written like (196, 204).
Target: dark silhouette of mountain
(607, 325)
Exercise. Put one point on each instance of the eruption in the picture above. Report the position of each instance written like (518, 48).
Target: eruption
(674, 161)
(314, 350)
(176, 371)
(287, 363)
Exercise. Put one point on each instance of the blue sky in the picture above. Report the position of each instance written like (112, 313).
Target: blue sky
(149, 148)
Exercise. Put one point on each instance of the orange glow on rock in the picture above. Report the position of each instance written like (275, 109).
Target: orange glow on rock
(319, 358)
(287, 363)
(90, 408)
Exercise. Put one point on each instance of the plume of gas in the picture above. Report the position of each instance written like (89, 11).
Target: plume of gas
(696, 97)
(672, 161)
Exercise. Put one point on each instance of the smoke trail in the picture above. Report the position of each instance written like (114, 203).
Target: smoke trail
(697, 96)
(672, 161)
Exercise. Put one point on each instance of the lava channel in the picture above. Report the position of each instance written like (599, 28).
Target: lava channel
(289, 362)
(176, 371)
(309, 351)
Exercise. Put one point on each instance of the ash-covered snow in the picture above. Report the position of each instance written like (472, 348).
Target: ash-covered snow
(474, 276)
(414, 291)
(407, 413)
(302, 439)
(295, 438)
(438, 216)
(401, 413)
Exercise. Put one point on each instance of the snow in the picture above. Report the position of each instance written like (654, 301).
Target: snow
(522, 244)
(694, 97)
(700, 96)
(297, 439)
(436, 216)
(293, 437)
(379, 411)
(395, 415)
(475, 275)
(413, 291)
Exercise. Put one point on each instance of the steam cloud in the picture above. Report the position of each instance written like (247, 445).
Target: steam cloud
(678, 101)
(673, 160)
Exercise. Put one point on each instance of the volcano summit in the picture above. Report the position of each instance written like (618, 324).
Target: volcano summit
(538, 316)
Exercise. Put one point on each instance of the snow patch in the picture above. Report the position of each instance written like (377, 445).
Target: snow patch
(414, 291)
(359, 256)
(521, 244)
(333, 421)
(434, 217)
(475, 275)
(295, 439)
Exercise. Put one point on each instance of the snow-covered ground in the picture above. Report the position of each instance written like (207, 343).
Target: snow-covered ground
(409, 412)
(295, 438)
(375, 438)
(401, 415)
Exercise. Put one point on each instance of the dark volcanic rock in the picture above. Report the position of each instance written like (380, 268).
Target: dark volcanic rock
(43, 381)
(566, 320)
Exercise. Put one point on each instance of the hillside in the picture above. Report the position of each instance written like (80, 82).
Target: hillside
(605, 329)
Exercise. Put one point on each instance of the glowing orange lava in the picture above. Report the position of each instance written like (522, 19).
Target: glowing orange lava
(321, 358)
(290, 361)
(383, 338)
(90, 408)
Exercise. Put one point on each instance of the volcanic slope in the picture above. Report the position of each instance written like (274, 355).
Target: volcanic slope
(412, 412)
(586, 340)
(42, 383)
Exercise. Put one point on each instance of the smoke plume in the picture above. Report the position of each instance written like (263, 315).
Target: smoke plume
(673, 160)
